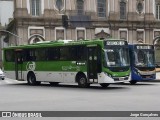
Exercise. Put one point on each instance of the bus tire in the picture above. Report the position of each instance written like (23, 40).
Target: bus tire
(104, 85)
(54, 83)
(82, 81)
(133, 82)
(31, 78)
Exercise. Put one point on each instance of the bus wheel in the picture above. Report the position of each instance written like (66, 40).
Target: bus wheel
(31, 78)
(104, 85)
(54, 83)
(82, 81)
(133, 82)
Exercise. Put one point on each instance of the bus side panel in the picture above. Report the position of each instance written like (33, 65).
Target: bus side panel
(9, 70)
(69, 77)
(55, 71)
(10, 74)
(49, 76)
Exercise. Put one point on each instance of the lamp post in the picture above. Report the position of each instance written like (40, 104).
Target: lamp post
(11, 34)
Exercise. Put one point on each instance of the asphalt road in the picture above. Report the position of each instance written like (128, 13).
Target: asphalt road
(18, 96)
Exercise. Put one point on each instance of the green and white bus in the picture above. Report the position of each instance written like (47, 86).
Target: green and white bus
(84, 62)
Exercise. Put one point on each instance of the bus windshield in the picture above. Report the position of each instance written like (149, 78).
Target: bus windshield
(144, 58)
(117, 57)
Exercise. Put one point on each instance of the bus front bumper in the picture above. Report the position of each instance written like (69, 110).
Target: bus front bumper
(104, 78)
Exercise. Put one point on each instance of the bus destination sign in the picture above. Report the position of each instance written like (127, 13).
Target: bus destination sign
(144, 47)
(115, 42)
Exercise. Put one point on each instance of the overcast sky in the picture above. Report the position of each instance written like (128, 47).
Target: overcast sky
(6, 11)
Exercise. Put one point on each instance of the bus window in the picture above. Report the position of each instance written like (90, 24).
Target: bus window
(141, 57)
(40, 54)
(73, 53)
(117, 57)
(9, 55)
(64, 53)
(81, 52)
(144, 58)
(53, 54)
(111, 58)
(26, 55)
(29, 55)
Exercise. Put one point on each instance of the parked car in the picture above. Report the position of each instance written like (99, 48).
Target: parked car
(2, 76)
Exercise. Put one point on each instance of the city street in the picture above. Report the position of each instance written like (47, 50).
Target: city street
(18, 96)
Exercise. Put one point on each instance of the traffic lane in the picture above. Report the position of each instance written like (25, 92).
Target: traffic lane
(69, 97)
(33, 95)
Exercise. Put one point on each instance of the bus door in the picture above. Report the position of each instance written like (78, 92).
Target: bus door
(18, 64)
(92, 58)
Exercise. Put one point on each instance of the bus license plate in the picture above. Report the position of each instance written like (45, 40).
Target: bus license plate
(147, 76)
(121, 78)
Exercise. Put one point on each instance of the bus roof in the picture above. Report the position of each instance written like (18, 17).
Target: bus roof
(61, 43)
(139, 44)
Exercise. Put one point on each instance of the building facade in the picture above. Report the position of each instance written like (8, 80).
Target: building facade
(137, 21)
(6, 15)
